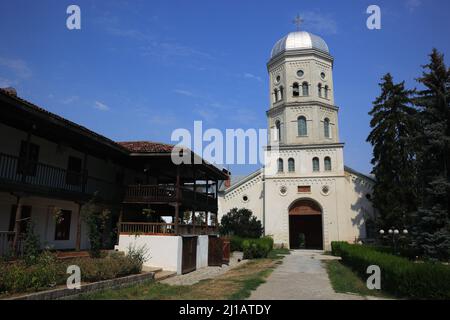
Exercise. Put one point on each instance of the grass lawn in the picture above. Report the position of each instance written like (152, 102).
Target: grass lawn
(344, 280)
(237, 284)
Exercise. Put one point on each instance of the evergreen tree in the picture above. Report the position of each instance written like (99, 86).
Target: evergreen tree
(392, 137)
(432, 228)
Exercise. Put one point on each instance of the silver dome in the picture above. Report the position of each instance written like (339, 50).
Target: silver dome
(299, 40)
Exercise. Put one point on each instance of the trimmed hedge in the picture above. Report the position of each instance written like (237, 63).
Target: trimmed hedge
(399, 276)
(257, 248)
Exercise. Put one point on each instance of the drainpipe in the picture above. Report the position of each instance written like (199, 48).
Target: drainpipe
(264, 200)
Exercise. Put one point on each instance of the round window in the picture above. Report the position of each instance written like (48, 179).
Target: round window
(325, 190)
(322, 75)
(300, 73)
(245, 198)
(278, 79)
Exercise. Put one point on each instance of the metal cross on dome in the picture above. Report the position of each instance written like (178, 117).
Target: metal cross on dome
(298, 21)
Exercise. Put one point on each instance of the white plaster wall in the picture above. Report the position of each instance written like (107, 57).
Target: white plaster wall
(164, 251)
(202, 251)
(234, 199)
(56, 155)
(42, 214)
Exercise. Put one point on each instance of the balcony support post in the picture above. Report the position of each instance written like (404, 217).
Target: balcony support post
(78, 237)
(18, 218)
(177, 204)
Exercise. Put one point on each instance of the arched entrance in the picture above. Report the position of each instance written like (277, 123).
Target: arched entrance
(305, 225)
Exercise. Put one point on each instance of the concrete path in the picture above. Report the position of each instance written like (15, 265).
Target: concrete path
(301, 276)
(196, 276)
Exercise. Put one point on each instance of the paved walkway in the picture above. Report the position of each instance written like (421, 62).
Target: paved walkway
(301, 276)
(206, 273)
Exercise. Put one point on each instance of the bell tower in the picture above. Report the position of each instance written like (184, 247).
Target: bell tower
(302, 106)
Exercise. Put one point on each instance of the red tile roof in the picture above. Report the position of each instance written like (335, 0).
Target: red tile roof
(146, 147)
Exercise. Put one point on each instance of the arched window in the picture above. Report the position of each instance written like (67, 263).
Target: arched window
(280, 165)
(326, 92)
(291, 165)
(281, 92)
(327, 163)
(319, 89)
(302, 126)
(278, 128)
(316, 164)
(295, 90)
(305, 89)
(326, 128)
(275, 94)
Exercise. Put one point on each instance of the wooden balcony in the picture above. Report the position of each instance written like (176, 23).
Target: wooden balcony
(166, 229)
(16, 174)
(161, 194)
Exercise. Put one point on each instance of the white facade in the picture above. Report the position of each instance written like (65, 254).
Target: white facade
(304, 118)
(165, 251)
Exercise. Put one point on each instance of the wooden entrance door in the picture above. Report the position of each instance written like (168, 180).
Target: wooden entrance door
(189, 256)
(215, 251)
(305, 225)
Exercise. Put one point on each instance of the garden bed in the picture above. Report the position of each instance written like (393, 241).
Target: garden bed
(48, 272)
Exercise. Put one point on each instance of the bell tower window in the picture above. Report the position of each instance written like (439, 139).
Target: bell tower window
(316, 164)
(302, 126)
(305, 89)
(291, 165)
(319, 89)
(278, 128)
(281, 92)
(280, 165)
(295, 90)
(326, 128)
(327, 163)
(326, 92)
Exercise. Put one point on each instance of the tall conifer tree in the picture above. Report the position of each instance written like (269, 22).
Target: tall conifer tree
(432, 228)
(392, 138)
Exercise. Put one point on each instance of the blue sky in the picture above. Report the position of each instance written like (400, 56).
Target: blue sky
(137, 70)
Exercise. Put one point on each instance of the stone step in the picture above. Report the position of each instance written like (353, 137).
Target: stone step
(161, 275)
(151, 269)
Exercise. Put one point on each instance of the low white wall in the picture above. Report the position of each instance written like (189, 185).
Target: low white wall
(202, 251)
(164, 251)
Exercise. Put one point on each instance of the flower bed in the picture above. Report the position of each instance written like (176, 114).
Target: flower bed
(47, 271)
(399, 276)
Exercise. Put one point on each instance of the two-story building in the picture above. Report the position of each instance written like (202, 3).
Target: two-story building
(50, 167)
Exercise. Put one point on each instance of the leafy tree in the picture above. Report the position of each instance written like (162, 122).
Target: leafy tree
(31, 245)
(432, 226)
(392, 137)
(242, 223)
(96, 219)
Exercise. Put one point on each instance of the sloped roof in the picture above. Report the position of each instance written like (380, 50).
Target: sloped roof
(146, 146)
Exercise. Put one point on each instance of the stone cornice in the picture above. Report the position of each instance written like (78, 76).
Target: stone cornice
(301, 104)
(299, 53)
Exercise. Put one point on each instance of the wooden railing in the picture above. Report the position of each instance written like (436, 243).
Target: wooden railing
(17, 171)
(153, 228)
(163, 194)
(150, 193)
(146, 228)
(6, 244)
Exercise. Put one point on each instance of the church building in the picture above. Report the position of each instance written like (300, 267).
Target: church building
(309, 198)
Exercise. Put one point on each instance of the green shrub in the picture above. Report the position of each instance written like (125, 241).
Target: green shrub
(241, 223)
(399, 276)
(21, 277)
(236, 243)
(257, 248)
